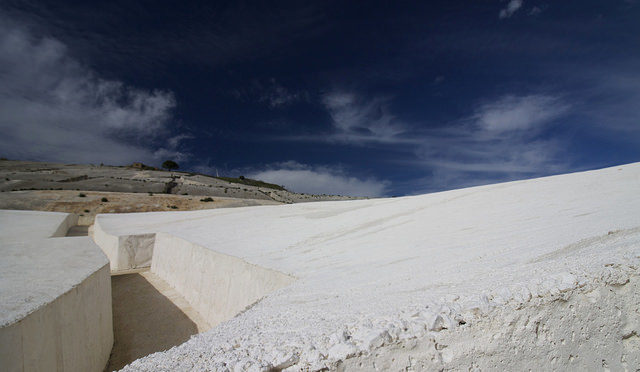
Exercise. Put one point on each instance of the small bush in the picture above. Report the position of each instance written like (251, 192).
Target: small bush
(104, 200)
(86, 211)
(150, 193)
(206, 200)
(81, 195)
(172, 206)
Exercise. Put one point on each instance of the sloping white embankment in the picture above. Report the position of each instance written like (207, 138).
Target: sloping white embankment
(539, 274)
(55, 296)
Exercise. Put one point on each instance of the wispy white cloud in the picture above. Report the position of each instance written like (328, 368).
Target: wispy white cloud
(610, 107)
(309, 179)
(500, 141)
(272, 93)
(470, 152)
(359, 120)
(536, 10)
(512, 136)
(176, 141)
(512, 7)
(276, 95)
(519, 113)
(54, 108)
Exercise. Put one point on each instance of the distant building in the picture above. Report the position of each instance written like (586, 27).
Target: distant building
(142, 166)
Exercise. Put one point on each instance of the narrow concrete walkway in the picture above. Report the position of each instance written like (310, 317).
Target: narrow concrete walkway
(148, 316)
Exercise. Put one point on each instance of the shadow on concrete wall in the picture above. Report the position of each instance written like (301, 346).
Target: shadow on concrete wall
(78, 231)
(144, 320)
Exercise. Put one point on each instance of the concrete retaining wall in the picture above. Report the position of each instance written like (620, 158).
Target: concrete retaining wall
(72, 333)
(218, 286)
(107, 242)
(124, 252)
(70, 221)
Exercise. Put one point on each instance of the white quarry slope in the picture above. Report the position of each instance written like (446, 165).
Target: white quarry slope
(518, 275)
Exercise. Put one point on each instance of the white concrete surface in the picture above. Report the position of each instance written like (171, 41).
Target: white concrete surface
(536, 274)
(17, 226)
(217, 285)
(125, 252)
(55, 298)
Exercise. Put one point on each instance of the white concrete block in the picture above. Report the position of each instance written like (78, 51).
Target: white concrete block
(55, 303)
(125, 252)
(17, 226)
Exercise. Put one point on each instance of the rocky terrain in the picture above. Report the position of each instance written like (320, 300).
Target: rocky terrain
(91, 189)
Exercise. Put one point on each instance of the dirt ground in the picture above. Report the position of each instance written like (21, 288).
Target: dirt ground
(148, 316)
(92, 202)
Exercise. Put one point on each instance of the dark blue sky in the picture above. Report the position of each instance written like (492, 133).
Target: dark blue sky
(361, 98)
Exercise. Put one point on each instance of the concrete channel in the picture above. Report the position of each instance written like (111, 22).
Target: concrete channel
(148, 314)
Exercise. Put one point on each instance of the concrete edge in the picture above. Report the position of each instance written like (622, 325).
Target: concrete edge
(73, 332)
(217, 285)
(69, 221)
(125, 252)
